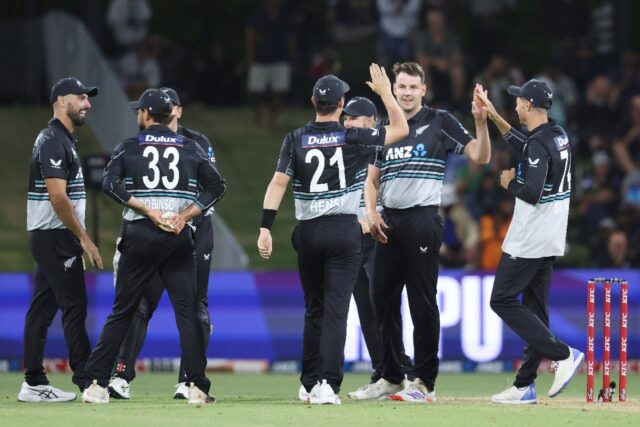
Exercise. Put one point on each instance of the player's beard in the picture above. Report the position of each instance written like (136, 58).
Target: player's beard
(76, 117)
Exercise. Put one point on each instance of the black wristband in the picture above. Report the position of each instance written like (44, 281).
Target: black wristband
(268, 216)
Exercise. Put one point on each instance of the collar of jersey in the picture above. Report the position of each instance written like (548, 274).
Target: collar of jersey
(550, 123)
(325, 125)
(420, 114)
(57, 123)
(158, 129)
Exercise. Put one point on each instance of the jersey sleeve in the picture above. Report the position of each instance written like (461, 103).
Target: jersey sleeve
(530, 189)
(378, 158)
(54, 159)
(366, 136)
(205, 144)
(456, 137)
(516, 139)
(209, 178)
(286, 161)
(113, 177)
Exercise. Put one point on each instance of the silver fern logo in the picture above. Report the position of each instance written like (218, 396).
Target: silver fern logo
(68, 263)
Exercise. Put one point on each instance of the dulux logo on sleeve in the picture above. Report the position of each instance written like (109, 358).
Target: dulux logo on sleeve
(148, 138)
(323, 140)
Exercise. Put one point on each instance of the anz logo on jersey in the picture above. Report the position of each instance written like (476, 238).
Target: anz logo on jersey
(333, 139)
(406, 152)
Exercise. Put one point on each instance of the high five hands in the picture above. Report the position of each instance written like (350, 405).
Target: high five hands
(379, 83)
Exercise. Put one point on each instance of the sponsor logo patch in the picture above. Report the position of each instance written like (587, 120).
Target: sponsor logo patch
(420, 151)
(147, 138)
(561, 141)
(333, 139)
(55, 163)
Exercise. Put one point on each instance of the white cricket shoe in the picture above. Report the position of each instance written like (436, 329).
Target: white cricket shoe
(415, 392)
(323, 394)
(360, 393)
(119, 388)
(182, 391)
(43, 393)
(565, 371)
(303, 394)
(379, 390)
(95, 394)
(199, 397)
(516, 396)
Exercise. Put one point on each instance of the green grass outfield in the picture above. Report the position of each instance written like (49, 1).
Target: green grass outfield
(271, 400)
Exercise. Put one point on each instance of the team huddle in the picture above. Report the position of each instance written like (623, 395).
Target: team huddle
(366, 193)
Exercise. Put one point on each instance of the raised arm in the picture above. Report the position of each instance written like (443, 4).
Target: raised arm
(513, 137)
(479, 149)
(381, 85)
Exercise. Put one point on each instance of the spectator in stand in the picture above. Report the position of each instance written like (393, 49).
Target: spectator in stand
(467, 180)
(139, 70)
(351, 20)
(598, 111)
(626, 79)
(488, 26)
(627, 147)
(603, 33)
(617, 251)
(397, 21)
(565, 96)
(323, 63)
(583, 67)
(598, 239)
(493, 229)
(438, 52)
(497, 76)
(129, 21)
(269, 52)
(461, 239)
(215, 75)
(629, 222)
(600, 198)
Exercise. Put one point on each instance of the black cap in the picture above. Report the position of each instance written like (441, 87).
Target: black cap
(535, 91)
(155, 101)
(330, 89)
(70, 85)
(360, 106)
(172, 94)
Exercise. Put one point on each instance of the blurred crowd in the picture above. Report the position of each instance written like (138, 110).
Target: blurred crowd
(288, 44)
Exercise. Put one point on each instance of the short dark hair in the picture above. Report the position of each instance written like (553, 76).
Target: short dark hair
(410, 68)
(324, 108)
(162, 120)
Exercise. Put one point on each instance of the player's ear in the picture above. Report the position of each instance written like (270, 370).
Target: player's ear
(313, 100)
(341, 103)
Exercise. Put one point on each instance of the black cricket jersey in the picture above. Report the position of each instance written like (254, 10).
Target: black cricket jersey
(412, 169)
(206, 145)
(328, 165)
(54, 155)
(164, 170)
(542, 189)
